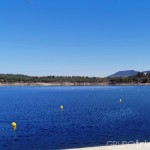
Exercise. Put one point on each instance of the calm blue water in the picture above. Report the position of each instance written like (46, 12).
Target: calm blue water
(91, 116)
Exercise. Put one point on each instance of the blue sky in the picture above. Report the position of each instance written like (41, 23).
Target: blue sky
(74, 37)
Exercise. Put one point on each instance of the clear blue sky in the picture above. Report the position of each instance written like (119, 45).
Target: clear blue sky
(74, 37)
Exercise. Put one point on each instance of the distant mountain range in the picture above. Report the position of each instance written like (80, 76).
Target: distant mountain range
(127, 73)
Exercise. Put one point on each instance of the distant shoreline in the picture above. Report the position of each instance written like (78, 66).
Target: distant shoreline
(24, 80)
(71, 84)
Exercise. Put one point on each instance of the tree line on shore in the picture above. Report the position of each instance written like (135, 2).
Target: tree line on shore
(12, 78)
(137, 79)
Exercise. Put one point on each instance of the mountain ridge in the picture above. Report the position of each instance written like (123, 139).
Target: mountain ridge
(127, 73)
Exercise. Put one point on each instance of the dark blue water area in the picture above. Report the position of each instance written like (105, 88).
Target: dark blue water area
(92, 116)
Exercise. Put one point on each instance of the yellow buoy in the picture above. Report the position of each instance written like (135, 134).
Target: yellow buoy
(120, 100)
(61, 107)
(14, 124)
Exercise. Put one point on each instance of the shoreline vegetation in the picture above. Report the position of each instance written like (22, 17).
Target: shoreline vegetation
(70, 84)
(24, 80)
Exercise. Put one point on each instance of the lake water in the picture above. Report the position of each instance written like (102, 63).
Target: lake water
(92, 116)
